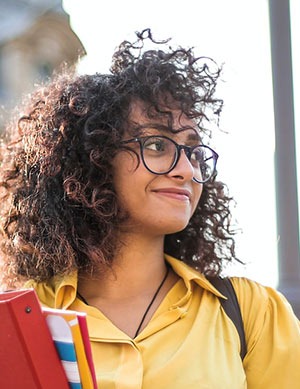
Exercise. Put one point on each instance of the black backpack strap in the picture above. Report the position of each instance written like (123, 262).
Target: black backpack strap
(231, 307)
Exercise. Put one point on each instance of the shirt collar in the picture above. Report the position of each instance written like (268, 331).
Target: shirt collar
(189, 275)
(60, 292)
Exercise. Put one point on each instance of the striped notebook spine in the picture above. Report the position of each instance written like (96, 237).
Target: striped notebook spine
(63, 340)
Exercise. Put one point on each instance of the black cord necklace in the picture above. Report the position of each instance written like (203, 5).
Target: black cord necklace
(151, 302)
(82, 298)
(149, 305)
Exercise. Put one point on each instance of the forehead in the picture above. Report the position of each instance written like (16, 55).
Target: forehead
(140, 116)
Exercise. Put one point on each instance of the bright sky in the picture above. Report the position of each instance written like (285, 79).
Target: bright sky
(233, 32)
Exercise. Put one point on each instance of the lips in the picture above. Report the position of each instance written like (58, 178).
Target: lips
(175, 193)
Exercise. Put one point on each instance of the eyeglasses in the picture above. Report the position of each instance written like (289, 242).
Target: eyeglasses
(161, 154)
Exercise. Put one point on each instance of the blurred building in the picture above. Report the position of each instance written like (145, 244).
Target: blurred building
(35, 39)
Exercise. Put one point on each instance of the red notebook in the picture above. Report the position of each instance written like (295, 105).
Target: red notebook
(28, 357)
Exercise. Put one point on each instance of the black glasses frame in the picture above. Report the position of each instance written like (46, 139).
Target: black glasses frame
(188, 150)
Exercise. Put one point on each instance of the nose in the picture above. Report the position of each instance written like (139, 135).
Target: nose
(183, 169)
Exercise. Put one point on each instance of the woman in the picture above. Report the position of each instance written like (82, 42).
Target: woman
(111, 206)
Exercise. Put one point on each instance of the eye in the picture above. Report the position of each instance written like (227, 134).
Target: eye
(198, 156)
(156, 144)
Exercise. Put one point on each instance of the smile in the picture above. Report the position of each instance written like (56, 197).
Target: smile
(174, 193)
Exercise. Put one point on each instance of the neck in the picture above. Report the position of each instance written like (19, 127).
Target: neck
(137, 268)
(133, 289)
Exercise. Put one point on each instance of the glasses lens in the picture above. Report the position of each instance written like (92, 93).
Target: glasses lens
(203, 160)
(159, 154)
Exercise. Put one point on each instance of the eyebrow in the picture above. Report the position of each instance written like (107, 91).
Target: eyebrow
(192, 137)
(164, 128)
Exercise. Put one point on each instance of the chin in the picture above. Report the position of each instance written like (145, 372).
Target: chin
(176, 227)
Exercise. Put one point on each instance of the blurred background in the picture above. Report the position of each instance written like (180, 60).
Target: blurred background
(255, 42)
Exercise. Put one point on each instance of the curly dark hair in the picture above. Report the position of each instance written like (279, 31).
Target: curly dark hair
(59, 208)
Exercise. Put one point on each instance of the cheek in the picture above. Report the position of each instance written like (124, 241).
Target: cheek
(129, 179)
(125, 163)
(124, 166)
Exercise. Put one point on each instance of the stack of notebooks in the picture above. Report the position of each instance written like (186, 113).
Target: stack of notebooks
(43, 348)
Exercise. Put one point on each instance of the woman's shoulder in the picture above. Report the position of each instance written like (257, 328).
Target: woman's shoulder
(247, 285)
(255, 296)
(248, 291)
(261, 304)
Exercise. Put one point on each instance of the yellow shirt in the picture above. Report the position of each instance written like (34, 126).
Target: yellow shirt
(190, 343)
